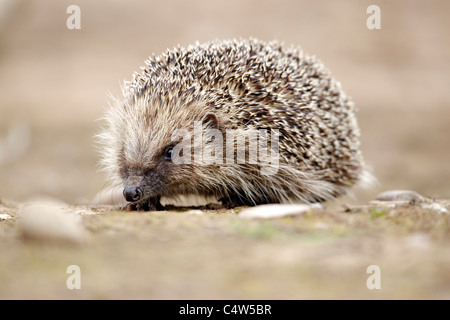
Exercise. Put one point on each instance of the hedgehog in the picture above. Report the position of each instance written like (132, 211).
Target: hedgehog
(232, 86)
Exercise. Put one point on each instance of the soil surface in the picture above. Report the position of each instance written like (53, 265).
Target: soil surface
(216, 254)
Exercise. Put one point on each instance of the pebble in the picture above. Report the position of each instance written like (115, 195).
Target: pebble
(399, 195)
(47, 222)
(195, 212)
(435, 207)
(4, 216)
(273, 211)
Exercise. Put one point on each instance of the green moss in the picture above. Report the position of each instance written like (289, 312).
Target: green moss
(376, 213)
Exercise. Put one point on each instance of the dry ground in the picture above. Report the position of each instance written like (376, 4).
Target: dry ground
(216, 254)
(54, 83)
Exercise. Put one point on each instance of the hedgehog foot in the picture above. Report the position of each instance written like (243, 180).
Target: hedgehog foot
(150, 204)
(237, 200)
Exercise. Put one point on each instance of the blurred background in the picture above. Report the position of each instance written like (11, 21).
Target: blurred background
(55, 82)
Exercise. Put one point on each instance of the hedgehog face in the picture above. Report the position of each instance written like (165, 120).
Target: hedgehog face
(147, 169)
(142, 182)
(148, 165)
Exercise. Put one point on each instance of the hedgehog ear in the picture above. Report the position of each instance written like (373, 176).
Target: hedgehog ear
(211, 120)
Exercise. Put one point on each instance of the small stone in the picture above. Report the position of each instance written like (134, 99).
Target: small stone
(4, 216)
(399, 195)
(273, 211)
(195, 212)
(435, 207)
(44, 222)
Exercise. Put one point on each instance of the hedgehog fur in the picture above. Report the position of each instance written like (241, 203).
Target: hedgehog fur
(234, 84)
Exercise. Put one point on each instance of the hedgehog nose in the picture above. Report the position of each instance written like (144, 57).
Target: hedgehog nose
(132, 193)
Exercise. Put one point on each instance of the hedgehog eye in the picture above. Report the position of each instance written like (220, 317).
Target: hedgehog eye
(168, 152)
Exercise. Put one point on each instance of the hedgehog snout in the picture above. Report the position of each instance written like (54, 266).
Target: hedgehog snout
(132, 193)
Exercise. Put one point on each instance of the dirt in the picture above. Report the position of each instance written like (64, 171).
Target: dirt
(216, 254)
(54, 84)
